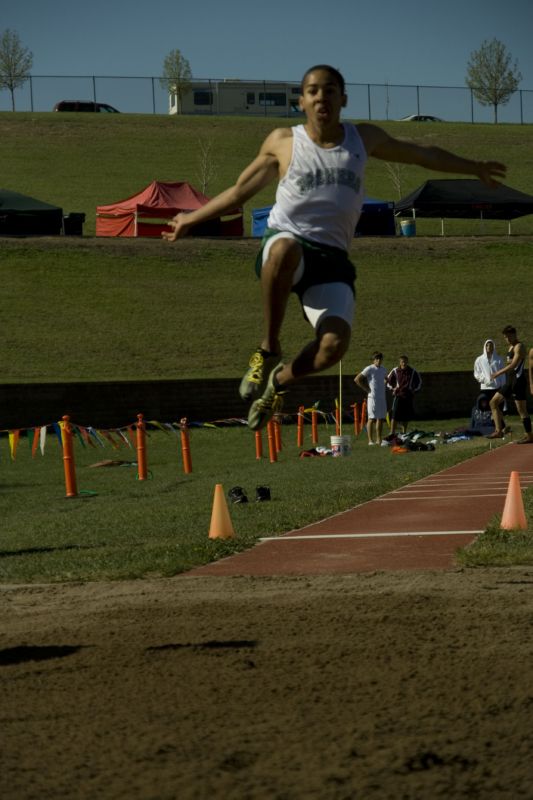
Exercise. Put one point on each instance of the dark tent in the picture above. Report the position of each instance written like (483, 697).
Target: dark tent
(23, 216)
(464, 199)
(377, 219)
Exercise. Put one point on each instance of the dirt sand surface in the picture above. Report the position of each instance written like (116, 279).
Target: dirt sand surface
(381, 685)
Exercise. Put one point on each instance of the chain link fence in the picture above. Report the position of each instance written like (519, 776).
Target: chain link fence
(369, 101)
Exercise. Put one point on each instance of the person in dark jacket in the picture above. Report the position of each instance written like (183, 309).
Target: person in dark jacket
(403, 381)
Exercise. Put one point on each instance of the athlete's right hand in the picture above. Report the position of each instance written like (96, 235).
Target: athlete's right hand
(179, 228)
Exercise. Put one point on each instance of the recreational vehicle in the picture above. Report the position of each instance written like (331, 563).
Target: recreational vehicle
(255, 98)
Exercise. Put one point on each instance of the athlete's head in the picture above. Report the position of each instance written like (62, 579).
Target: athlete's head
(335, 74)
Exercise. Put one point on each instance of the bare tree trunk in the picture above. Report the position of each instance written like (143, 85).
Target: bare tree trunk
(207, 168)
(396, 172)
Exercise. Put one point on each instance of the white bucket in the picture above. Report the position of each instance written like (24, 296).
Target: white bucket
(341, 445)
(408, 227)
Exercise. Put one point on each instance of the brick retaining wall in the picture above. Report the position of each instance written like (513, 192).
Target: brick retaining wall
(109, 404)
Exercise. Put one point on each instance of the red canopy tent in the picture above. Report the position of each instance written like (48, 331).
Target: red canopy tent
(143, 213)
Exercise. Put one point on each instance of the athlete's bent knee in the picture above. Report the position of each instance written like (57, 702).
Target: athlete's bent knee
(284, 254)
(332, 347)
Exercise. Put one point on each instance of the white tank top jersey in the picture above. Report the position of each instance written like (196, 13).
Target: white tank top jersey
(321, 196)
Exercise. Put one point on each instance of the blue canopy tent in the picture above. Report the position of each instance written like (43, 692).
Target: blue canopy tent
(377, 219)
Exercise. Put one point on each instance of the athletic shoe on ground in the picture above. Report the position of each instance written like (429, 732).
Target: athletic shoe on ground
(236, 495)
(262, 493)
(495, 435)
(256, 378)
(525, 440)
(270, 403)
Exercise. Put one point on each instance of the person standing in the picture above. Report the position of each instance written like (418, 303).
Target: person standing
(515, 387)
(319, 166)
(485, 365)
(372, 381)
(403, 381)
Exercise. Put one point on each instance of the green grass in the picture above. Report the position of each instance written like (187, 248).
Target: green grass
(90, 309)
(132, 529)
(501, 548)
(79, 161)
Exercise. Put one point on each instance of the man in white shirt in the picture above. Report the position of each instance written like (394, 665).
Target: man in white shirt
(373, 380)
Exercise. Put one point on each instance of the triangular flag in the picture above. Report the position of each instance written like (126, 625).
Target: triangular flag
(107, 435)
(58, 430)
(35, 443)
(85, 434)
(95, 435)
(124, 438)
(77, 431)
(13, 443)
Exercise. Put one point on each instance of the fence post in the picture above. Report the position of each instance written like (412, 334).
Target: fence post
(300, 435)
(258, 444)
(271, 436)
(314, 427)
(185, 447)
(142, 471)
(68, 458)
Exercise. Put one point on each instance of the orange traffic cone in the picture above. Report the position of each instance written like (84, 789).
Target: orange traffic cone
(221, 525)
(514, 516)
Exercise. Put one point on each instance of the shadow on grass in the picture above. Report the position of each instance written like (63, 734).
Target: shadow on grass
(25, 653)
(28, 551)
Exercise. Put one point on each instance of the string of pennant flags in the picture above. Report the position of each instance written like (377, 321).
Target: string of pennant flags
(126, 435)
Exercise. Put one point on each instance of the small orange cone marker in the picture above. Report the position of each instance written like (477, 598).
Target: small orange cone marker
(221, 525)
(514, 516)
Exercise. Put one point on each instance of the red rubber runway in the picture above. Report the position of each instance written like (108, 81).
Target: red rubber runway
(419, 526)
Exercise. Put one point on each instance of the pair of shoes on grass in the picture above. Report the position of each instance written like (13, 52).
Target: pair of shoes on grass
(259, 385)
(237, 494)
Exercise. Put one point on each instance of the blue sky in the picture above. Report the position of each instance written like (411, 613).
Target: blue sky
(390, 41)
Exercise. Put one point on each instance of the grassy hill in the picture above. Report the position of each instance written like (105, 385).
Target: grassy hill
(85, 308)
(79, 161)
(88, 308)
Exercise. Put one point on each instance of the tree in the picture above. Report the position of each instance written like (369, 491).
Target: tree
(15, 63)
(396, 174)
(177, 76)
(207, 167)
(491, 76)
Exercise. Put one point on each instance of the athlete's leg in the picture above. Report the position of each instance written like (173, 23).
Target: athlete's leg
(283, 258)
(282, 264)
(497, 416)
(325, 350)
(521, 407)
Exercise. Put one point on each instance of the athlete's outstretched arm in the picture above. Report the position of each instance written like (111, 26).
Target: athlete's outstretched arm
(259, 173)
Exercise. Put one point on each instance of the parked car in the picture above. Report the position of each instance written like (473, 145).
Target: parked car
(420, 118)
(79, 105)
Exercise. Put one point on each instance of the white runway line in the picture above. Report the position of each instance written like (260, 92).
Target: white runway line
(330, 536)
(434, 497)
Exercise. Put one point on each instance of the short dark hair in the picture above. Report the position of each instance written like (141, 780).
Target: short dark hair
(376, 354)
(509, 329)
(403, 358)
(326, 68)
